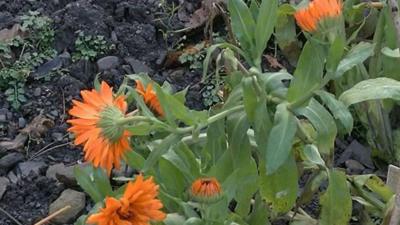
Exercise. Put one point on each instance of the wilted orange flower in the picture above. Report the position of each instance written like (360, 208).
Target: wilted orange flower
(150, 98)
(103, 141)
(138, 206)
(206, 189)
(309, 17)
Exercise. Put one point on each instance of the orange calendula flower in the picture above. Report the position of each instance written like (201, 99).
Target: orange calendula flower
(150, 98)
(308, 18)
(138, 206)
(95, 127)
(206, 190)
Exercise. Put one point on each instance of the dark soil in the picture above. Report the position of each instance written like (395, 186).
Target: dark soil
(136, 28)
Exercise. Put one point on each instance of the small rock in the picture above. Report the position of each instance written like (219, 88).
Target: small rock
(354, 167)
(72, 198)
(48, 67)
(63, 174)
(12, 177)
(107, 63)
(4, 182)
(357, 152)
(21, 122)
(25, 168)
(37, 92)
(3, 118)
(9, 160)
(57, 136)
(54, 113)
(138, 66)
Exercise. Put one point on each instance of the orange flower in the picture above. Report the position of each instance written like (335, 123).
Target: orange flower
(103, 141)
(150, 98)
(309, 17)
(206, 190)
(138, 206)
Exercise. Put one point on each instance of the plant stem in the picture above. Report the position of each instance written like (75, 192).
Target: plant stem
(210, 120)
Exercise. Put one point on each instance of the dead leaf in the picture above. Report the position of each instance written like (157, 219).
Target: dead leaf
(203, 15)
(273, 62)
(9, 34)
(38, 126)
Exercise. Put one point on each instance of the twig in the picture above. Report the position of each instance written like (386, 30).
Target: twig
(10, 216)
(45, 147)
(48, 218)
(49, 149)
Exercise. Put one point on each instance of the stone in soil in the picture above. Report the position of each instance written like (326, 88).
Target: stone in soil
(9, 160)
(63, 174)
(72, 198)
(354, 167)
(4, 182)
(358, 152)
(108, 63)
(138, 66)
(27, 168)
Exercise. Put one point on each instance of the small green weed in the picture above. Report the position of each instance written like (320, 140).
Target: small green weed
(88, 47)
(20, 56)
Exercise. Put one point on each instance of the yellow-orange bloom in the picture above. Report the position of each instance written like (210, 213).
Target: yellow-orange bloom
(94, 127)
(138, 206)
(150, 98)
(206, 189)
(309, 17)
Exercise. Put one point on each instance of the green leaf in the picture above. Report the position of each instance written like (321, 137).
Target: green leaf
(265, 25)
(174, 219)
(392, 53)
(280, 138)
(335, 54)
(242, 22)
(260, 212)
(184, 160)
(250, 98)
(174, 108)
(357, 55)
(371, 89)
(160, 150)
(85, 179)
(324, 124)
(311, 153)
(102, 182)
(338, 110)
(171, 178)
(262, 127)
(280, 188)
(308, 74)
(337, 194)
(134, 159)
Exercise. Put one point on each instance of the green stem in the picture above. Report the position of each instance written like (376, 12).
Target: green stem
(210, 120)
(130, 119)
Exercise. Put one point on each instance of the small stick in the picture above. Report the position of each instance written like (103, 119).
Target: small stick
(48, 218)
(10, 216)
(49, 149)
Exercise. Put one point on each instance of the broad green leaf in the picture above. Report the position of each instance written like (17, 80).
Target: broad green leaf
(312, 155)
(335, 54)
(262, 126)
(184, 160)
(273, 83)
(374, 184)
(264, 26)
(338, 110)
(174, 219)
(85, 179)
(216, 143)
(160, 150)
(171, 178)
(250, 98)
(308, 74)
(337, 194)
(323, 123)
(356, 55)
(280, 188)
(280, 138)
(102, 182)
(193, 221)
(134, 159)
(242, 22)
(392, 53)
(371, 89)
(260, 212)
(175, 109)
(254, 8)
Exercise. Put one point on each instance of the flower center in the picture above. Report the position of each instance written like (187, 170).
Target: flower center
(108, 123)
